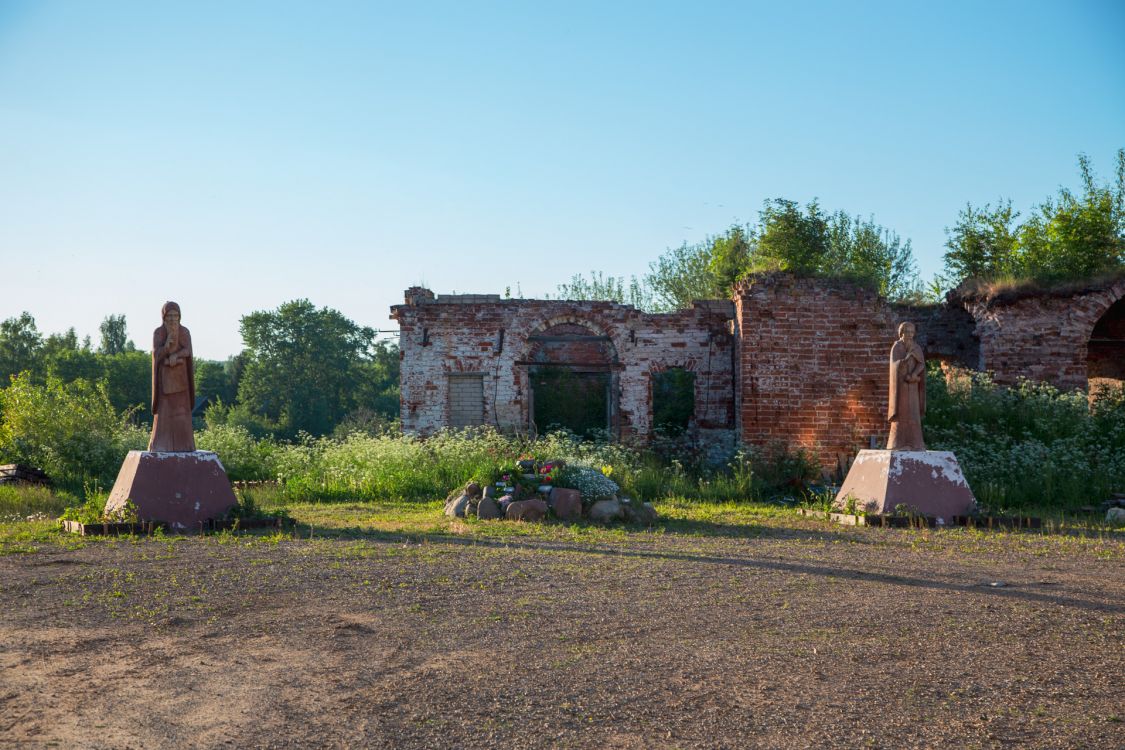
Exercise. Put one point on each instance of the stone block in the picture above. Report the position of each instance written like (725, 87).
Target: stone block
(605, 511)
(926, 482)
(457, 507)
(180, 489)
(566, 504)
(526, 510)
(488, 509)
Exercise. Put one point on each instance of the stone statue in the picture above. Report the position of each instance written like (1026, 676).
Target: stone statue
(907, 402)
(173, 385)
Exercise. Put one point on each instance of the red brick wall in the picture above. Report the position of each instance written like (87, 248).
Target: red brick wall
(1041, 337)
(800, 361)
(813, 364)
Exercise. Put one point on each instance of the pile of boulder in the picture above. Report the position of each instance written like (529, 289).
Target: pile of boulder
(513, 502)
(1115, 509)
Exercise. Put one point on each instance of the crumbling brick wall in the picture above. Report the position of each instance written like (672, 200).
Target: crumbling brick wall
(797, 360)
(496, 340)
(812, 364)
(1041, 335)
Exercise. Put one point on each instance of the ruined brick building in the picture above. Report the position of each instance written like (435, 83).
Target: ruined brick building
(797, 360)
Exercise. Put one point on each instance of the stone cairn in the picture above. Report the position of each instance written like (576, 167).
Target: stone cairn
(530, 498)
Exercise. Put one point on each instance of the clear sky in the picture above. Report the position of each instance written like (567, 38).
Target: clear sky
(236, 155)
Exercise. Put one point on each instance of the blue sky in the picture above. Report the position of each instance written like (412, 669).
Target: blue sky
(233, 156)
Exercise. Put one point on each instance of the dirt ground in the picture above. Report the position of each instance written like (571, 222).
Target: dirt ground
(779, 638)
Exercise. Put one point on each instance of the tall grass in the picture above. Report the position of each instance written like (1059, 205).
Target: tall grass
(21, 502)
(1031, 445)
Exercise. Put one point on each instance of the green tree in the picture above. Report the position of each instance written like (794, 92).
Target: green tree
(305, 366)
(791, 239)
(809, 242)
(128, 383)
(1069, 236)
(983, 244)
(75, 364)
(60, 342)
(683, 274)
(730, 256)
(865, 252)
(115, 339)
(604, 287)
(379, 382)
(212, 381)
(20, 346)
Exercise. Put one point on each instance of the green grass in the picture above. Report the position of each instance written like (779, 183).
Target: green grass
(18, 502)
(679, 517)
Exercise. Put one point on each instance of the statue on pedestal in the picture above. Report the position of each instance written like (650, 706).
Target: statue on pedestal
(173, 385)
(906, 404)
(906, 476)
(172, 482)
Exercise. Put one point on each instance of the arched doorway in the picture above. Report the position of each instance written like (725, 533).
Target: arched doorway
(572, 374)
(1105, 354)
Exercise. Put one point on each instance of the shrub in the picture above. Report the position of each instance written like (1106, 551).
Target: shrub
(244, 457)
(1031, 445)
(590, 482)
(70, 430)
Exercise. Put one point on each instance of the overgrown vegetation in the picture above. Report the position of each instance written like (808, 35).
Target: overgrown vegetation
(1032, 445)
(787, 237)
(1073, 235)
(1070, 236)
(1028, 446)
(70, 430)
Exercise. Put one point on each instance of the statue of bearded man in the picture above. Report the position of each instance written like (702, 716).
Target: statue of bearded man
(907, 402)
(173, 384)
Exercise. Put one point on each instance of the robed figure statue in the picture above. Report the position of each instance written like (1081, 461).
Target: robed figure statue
(173, 384)
(907, 402)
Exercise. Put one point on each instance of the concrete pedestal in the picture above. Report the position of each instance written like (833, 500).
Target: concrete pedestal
(926, 482)
(180, 489)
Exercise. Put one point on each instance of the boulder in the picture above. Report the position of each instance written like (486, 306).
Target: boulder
(606, 511)
(458, 506)
(1115, 516)
(527, 510)
(566, 504)
(639, 513)
(488, 509)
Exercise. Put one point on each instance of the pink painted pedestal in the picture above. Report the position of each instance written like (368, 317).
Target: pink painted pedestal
(181, 489)
(927, 482)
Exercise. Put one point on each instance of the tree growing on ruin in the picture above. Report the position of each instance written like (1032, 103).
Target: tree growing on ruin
(1068, 236)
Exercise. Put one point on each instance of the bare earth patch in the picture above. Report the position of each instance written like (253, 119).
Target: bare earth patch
(792, 634)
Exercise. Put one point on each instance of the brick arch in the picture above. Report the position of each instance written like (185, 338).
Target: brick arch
(1105, 359)
(527, 347)
(1100, 303)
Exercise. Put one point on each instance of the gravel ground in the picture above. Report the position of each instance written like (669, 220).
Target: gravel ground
(783, 638)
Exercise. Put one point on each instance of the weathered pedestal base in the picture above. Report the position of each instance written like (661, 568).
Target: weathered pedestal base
(926, 482)
(181, 489)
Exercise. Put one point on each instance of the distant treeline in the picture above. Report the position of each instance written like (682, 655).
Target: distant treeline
(302, 370)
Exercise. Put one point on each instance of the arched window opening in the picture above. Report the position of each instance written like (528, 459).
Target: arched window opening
(571, 371)
(1105, 357)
